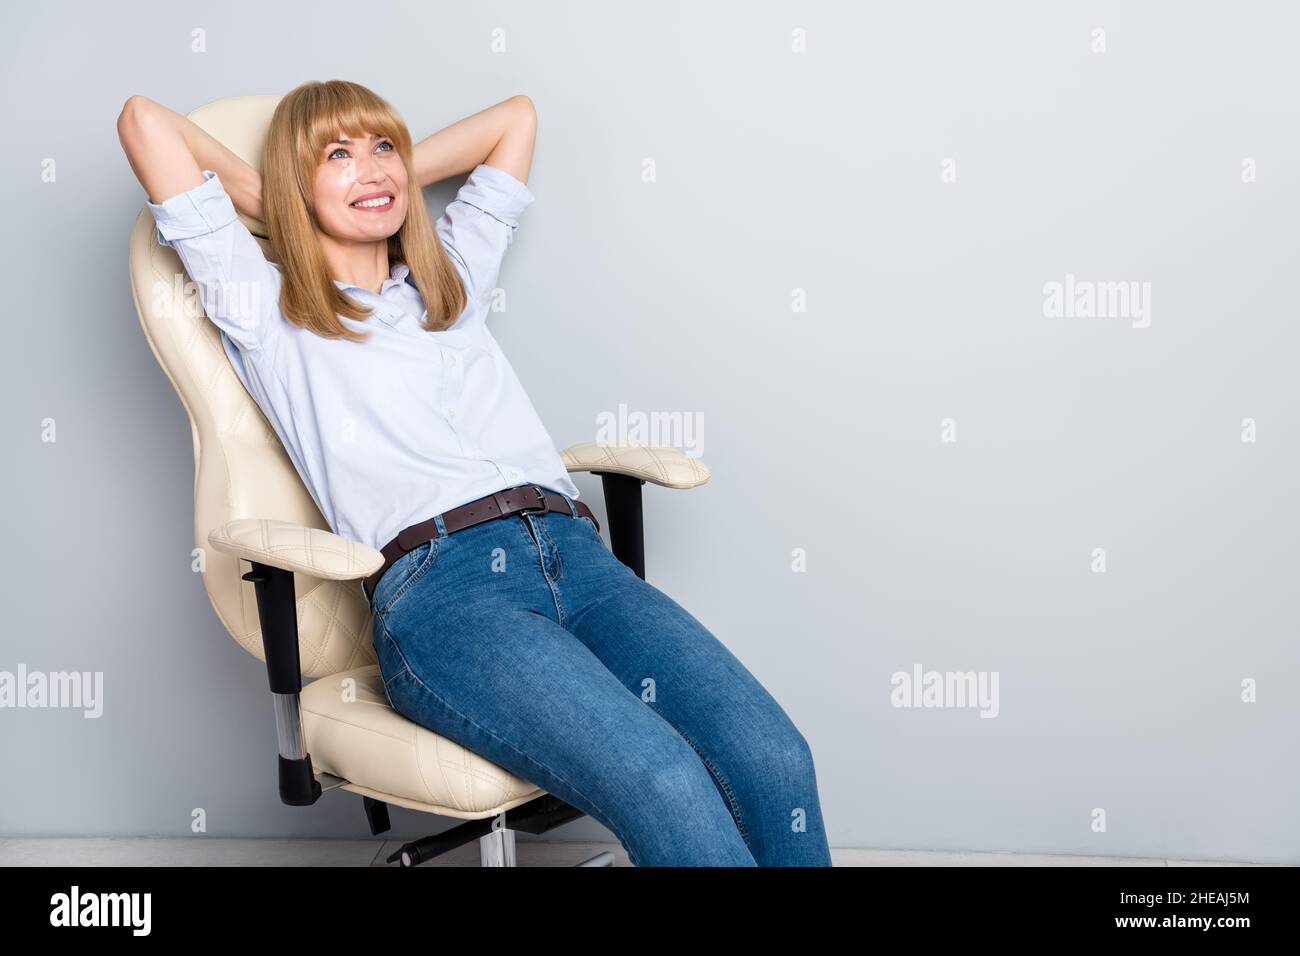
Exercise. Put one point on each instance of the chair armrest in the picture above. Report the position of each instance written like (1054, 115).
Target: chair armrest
(659, 464)
(291, 547)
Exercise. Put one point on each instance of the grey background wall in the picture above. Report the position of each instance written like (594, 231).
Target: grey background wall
(839, 266)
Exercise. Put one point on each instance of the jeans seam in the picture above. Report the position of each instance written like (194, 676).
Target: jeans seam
(559, 556)
(609, 820)
(535, 539)
(559, 573)
(406, 665)
(559, 604)
(718, 775)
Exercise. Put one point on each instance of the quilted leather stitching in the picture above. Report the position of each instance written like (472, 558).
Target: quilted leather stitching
(303, 549)
(659, 464)
(469, 783)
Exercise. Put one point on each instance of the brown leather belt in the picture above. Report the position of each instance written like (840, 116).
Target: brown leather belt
(519, 500)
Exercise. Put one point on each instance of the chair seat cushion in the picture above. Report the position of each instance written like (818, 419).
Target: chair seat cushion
(353, 732)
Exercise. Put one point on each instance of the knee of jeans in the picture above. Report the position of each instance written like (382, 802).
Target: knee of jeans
(787, 756)
(681, 777)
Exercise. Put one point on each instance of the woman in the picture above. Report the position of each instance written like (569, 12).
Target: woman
(501, 620)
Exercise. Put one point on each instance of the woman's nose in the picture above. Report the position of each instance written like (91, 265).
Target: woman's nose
(369, 169)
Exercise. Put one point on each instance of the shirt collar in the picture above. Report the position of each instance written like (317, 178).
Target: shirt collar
(399, 273)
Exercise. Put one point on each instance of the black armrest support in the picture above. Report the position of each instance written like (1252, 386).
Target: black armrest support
(626, 518)
(277, 612)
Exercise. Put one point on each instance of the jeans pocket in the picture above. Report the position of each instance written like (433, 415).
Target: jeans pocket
(403, 575)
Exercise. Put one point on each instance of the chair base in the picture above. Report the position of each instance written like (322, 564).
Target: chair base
(498, 849)
(496, 835)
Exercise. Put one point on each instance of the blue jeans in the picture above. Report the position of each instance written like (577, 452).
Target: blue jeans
(526, 641)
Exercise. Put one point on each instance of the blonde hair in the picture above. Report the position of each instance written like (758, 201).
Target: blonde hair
(308, 118)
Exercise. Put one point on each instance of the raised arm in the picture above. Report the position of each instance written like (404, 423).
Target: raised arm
(184, 171)
(168, 154)
(502, 136)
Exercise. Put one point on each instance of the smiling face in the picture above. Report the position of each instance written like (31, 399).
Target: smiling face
(360, 188)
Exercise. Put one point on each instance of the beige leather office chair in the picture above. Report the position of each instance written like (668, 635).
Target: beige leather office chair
(299, 606)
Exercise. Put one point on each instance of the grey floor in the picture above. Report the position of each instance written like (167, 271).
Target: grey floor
(215, 851)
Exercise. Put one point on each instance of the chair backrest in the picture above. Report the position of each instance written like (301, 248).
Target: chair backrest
(241, 469)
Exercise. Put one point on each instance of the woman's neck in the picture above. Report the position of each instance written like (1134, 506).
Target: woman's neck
(361, 264)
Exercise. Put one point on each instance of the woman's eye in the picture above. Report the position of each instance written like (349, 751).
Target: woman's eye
(342, 149)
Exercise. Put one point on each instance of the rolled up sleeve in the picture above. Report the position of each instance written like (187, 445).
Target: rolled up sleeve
(479, 225)
(238, 286)
(198, 211)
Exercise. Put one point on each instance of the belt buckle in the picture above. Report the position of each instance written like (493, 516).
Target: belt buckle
(532, 510)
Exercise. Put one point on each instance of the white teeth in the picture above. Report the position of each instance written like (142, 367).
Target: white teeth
(381, 201)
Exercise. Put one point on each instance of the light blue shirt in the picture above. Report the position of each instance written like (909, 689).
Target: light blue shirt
(391, 431)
